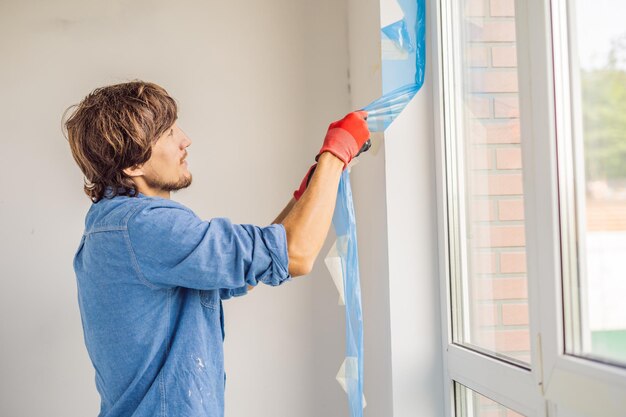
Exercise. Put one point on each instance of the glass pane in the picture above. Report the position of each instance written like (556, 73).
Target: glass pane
(601, 44)
(469, 403)
(491, 302)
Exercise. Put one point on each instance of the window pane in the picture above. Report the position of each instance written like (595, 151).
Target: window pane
(469, 403)
(601, 43)
(490, 301)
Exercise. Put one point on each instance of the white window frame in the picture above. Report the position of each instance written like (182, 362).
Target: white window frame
(558, 384)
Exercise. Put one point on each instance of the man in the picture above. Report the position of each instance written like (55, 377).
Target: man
(151, 275)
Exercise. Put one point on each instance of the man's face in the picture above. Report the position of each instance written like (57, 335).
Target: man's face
(167, 169)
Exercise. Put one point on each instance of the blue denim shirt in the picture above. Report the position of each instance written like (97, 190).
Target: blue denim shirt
(151, 276)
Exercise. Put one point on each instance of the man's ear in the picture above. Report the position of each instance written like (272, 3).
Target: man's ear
(134, 171)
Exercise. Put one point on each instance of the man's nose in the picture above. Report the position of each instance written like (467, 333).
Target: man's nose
(185, 142)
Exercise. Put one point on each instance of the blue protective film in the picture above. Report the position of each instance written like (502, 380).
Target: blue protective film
(345, 229)
(404, 59)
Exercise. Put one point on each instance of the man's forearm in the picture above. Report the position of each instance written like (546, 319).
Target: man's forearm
(308, 221)
(285, 211)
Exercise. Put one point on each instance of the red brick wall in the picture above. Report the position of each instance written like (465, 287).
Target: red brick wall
(495, 211)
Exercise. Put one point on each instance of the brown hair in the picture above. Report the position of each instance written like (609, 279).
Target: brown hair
(114, 128)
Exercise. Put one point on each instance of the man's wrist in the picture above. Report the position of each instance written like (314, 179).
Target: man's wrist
(329, 158)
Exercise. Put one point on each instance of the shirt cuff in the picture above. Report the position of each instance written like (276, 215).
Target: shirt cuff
(226, 294)
(275, 238)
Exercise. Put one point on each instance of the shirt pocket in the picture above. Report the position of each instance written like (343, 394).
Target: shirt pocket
(209, 299)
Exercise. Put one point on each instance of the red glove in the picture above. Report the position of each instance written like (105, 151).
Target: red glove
(346, 137)
(305, 183)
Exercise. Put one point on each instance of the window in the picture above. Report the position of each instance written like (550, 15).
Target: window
(533, 189)
(490, 283)
(596, 319)
(469, 403)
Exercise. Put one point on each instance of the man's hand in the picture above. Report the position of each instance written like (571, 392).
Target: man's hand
(308, 215)
(345, 138)
(353, 122)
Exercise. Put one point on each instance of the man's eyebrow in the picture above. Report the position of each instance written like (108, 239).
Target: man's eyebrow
(171, 132)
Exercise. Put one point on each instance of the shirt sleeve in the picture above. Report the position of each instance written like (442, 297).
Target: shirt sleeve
(173, 247)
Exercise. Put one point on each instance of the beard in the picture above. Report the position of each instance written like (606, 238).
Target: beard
(157, 183)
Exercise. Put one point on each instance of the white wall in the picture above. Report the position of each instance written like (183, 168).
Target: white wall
(257, 85)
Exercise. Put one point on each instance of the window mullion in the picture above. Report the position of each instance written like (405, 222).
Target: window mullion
(540, 184)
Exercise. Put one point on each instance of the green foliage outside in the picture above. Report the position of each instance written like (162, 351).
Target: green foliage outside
(604, 118)
(609, 345)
